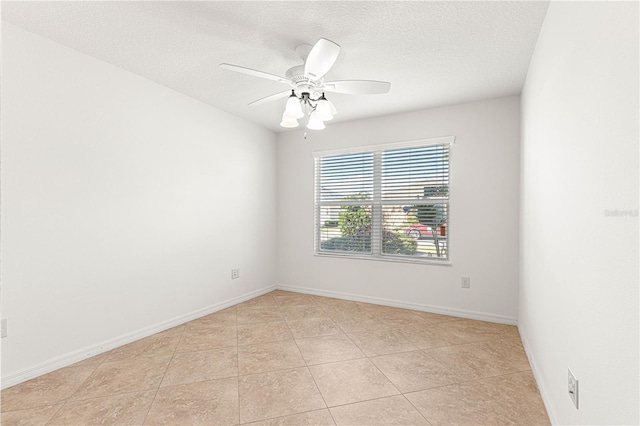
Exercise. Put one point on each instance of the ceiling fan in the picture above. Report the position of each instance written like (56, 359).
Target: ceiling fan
(308, 85)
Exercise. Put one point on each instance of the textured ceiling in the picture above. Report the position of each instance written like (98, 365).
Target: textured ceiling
(433, 53)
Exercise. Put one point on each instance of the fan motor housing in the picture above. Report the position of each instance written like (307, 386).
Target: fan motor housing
(296, 74)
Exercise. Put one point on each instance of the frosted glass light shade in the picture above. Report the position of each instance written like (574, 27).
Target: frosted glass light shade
(314, 122)
(334, 111)
(288, 122)
(293, 108)
(323, 110)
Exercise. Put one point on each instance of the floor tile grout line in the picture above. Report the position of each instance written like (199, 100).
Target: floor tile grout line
(238, 360)
(237, 363)
(486, 340)
(75, 391)
(62, 403)
(315, 383)
(34, 407)
(440, 363)
(54, 414)
(285, 416)
(184, 329)
(416, 408)
(368, 358)
(329, 407)
(311, 374)
(463, 382)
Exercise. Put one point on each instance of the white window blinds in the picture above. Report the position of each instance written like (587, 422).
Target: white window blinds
(345, 190)
(391, 201)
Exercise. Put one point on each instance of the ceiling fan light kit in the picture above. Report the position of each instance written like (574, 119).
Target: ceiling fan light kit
(307, 97)
(317, 110)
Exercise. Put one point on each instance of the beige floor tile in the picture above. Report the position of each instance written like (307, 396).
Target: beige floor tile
(357, 322)
(515, 397)
(96, 359)
(249, 362)
(203, 403)
(263, 332)
(268, 357)
(456, 404)
(266, 301)
(393, 410)
(510, 350)
(505, 400)
(248, 316)
(473, 361)
(311, 327)
(429, 336)
(434, 318)
(479, 331)
(201, 339)
(332, 348)
(344, 308)
(299, 312)
(223, 318)
(346, 382)
(330, 302)
(189, 367)
(112, 378)
(123, 409)
(311, 418)
(294, 299)
(414, 371)
(163, 343)
(379, 310)
(48, 389)
(277, 394)
(381, 342)
(400, 317)
(284, 293)
(29, 417)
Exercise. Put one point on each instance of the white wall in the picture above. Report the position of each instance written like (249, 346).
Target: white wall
(124, 204)
(579, 267)
(483, 223)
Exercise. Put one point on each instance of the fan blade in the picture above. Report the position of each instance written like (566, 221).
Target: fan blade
(271, 98)
(254, 73)
(321, 58)
(357, 87)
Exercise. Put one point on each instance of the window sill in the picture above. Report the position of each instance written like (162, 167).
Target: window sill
(419, 261)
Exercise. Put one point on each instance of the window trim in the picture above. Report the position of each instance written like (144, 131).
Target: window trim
(376, 204)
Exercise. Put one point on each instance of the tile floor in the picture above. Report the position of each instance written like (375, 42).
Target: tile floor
(290, 359)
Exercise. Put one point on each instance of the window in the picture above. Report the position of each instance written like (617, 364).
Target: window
(390, 201)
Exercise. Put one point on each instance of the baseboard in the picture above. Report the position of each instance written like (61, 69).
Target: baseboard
(87, 352)
(544, 394)
(482, 316)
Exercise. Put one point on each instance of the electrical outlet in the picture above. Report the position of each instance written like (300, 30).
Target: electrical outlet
(573, 388)
(465, 282)
(235, 273)
(3, 328)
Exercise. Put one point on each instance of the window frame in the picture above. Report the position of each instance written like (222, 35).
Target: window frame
(377, 203)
